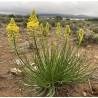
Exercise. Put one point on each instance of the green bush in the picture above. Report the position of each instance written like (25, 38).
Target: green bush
(95, 29)
(24, 23)
(95, 39)
(54, 67)
(58, 18)
(52, 23)
(89, 39)
(62, 23)
(57, 62)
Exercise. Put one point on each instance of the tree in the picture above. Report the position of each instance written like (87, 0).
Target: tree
(58, 18)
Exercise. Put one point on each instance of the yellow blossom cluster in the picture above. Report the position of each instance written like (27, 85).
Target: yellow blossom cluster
(33, 22)
(12, 27)
(33, 25)
(12, 30)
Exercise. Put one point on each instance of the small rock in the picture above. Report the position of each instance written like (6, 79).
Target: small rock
(23, 47)
(84, 94)
(15, 71)
(2, 87)
(83, 49)
(34, 67)
(21, 40)
(78, 54)
(1, 62)
(1, 76)
(88, 46)
(18, 61)
(96, 57)
(85, 65)
(32, 64)
(6, 75)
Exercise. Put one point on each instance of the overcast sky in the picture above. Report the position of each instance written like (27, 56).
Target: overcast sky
(89, 7)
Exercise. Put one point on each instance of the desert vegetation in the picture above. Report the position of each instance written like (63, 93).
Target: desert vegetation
(49, 56)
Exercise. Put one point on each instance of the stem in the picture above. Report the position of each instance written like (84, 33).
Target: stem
(15, 47)
(37, 50)
(90, 86)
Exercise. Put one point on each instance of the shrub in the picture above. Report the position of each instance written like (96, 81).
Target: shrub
(52, 22)
(56, 63)
(95, 29)
(58, 18)
(55, 66)
(91, 38)
(24, 23)
(62, 23)
(96, 39)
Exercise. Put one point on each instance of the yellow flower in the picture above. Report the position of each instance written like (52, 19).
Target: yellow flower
(32, 25)
(12, 27)
(12, 31)
(33, 21)
(81, 34)
(33, 16)
(67, 31)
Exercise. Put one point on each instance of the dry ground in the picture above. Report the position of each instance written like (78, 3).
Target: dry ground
(10, 85)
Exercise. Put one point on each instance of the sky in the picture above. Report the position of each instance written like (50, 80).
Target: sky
(76, 7)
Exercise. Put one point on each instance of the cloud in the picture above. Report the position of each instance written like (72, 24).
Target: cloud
(49, 6)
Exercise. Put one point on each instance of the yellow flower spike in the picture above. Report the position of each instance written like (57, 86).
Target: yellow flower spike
(41, 28)
(33, 16)
(12, 21)
(47, 28)
(81, 34)
(67, 31)
(33, 23)
(58, 29)
(12, 27)
(12, 31)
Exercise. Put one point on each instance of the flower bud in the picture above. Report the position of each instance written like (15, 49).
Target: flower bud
(81, 34)
(47, 29)
(67, 31)
(41, 28)
(58, 29)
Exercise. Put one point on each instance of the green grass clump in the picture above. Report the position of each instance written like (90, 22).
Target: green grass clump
(55, 65)
(57, 62)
